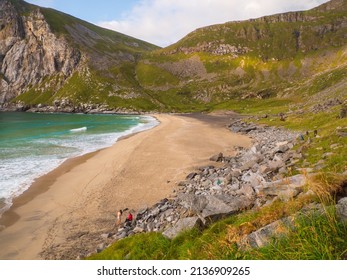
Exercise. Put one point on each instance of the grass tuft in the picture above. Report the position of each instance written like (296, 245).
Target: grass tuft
(327, 186)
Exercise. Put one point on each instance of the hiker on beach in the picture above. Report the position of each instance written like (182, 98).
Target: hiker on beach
(119, 217)
(129, 218)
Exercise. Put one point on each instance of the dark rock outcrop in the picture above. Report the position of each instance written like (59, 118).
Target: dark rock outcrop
(29, 51)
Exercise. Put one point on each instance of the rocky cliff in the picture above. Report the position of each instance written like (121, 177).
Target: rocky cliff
(48, 58)
(29, 51)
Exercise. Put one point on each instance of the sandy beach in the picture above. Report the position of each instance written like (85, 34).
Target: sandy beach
(64, 210)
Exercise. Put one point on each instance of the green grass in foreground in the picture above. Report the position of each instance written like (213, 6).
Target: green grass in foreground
(317, 237)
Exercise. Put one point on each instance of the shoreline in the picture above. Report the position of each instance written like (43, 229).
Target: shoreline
(40, 208)
(40, 185)
(47, 178)
(43, 182)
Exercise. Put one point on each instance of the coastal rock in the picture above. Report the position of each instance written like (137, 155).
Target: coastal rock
(120, 235)
(191, 176)
(183, 225)
(193, 202)
(248, 128)
(253, 178)
(341, 209)
(216, 209)
(248, 165)
(282, 147)
(276, 164)
(277, 187)
(106, 235)
(217, 158)
(262, 236)
(100, 247)
(246, 190)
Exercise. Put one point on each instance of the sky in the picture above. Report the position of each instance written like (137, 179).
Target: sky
(164, 22)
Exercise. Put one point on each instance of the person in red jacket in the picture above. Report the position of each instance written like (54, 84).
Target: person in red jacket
(129, 218)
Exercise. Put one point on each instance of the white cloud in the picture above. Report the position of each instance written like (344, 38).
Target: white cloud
(163, 22)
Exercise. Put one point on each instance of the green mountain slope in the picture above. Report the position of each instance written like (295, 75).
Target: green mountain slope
(259, 58)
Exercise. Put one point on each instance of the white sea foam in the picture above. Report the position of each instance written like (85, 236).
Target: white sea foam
(80, 129)
(17, 174)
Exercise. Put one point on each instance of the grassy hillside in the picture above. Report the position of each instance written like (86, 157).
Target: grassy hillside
(260, 58)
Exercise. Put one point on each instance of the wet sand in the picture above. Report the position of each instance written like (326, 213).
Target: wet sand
(80, 197)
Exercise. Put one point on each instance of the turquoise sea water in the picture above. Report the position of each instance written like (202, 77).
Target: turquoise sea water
(33, 144)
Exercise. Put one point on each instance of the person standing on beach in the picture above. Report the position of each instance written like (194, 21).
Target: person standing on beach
(119, 217)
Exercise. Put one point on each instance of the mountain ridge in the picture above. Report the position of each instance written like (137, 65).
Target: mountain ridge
(267, 57)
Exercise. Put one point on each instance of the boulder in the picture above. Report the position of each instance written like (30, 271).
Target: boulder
(248, 128)
(341, 209)
(248, 165)
(213, 207)
(193, 202)
(276, 164)
(343, 111)
(106, 235)
(341, 131)
(191, 176)
(216, 209)
(235, 173)
(100, 247)
(264, 169)
(284, 188)
(220, 206)
(263, 236)
(246, 190)
(289, 194)
(183, 183)
(282, 147)
(139, 229)
(253, 178)
(235, 129)
(217, 158)
(183, 225)
(120, 235)
(234, 187)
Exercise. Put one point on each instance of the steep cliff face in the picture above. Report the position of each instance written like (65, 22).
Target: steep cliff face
(50, 59)
(29, 51)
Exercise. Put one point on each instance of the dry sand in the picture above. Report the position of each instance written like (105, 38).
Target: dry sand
(79, 198)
